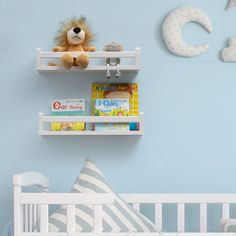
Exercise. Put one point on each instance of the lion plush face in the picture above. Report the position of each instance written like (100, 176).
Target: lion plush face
(75, 32)
(75, 36)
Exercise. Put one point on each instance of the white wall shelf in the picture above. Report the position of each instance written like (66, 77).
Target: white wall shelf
(43, 120)
(130, 61)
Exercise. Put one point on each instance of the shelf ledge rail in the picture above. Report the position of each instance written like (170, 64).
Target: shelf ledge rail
(41, 56)
(91, 119)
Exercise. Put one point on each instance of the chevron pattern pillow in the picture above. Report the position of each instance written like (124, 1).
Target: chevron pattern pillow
(119, 217)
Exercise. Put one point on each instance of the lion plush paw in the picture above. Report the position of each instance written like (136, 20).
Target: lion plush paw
(67, 61)
(82, 61)
(56, 49)
(52, 64)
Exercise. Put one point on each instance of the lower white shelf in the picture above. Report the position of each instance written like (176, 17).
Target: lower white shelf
(45, 129)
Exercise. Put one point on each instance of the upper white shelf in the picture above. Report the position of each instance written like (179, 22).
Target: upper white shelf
(130, 60)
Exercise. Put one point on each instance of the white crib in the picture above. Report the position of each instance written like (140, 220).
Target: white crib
(31, 209)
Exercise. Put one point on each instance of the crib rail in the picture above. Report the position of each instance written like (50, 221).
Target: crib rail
(181, 199)
(130, 234)
(66, 198)
(33, 209)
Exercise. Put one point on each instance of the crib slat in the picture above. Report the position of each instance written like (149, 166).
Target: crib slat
(30, 218)
(225, 209)
(44, 218)
(22, 223)
(136, 206)
(158, 216)
(181, 217)
(26, 218)
(39, 214)
(71, 218)
(35, 214)
(98, 218)
(203, 217)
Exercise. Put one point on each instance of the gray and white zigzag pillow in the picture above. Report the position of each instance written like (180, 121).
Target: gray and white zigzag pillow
(119, 217)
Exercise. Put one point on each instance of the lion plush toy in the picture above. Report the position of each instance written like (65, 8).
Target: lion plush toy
(75, 35)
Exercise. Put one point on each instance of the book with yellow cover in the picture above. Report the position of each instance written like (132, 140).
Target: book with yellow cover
(118, 91)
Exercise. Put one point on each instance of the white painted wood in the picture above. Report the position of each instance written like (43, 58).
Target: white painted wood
(91, 119)
(136, 206)
(97, 218)
(71, 199)
(179, 197)
(158, 216)
(35, 216)
(123, 68)
(141, 122)
(138, 57)
(22, 218)
(99, 56)
(38, 215)
(31, 178)
(71, 218)
(132, 234)
(18, 221)
(38, 60)
(225, 210)
(203, 217)
(31, 218)
(41, 123)
(91, 133)
(180, 217)
(66, 198)
(26, 218)
(44, 218)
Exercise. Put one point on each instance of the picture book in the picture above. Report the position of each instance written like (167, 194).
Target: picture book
(111, 107)
(118, 91)
(68, 107)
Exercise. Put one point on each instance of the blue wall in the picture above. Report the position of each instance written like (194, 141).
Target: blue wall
(189, 104)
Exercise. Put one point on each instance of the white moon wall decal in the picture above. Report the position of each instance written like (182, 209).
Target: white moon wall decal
(172, 28)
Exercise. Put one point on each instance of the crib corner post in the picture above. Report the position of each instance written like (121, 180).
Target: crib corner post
(17, 211)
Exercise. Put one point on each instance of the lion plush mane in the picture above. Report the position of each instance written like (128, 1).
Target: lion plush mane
(82, 22)
(74, 35)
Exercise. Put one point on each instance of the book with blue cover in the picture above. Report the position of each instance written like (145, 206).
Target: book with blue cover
(111, 107)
